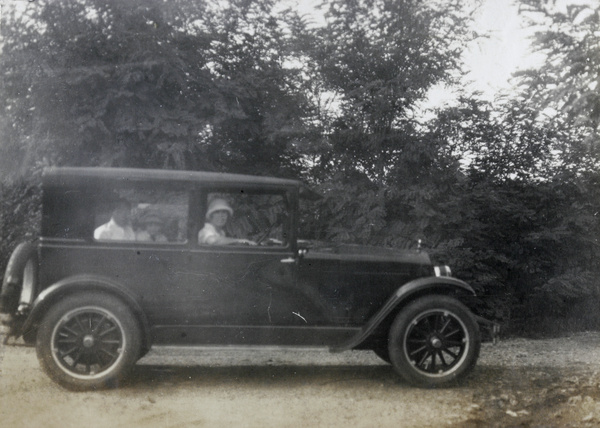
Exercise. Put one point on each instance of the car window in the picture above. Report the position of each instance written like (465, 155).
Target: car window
(252, 219)
(65, 214)
(147, 216)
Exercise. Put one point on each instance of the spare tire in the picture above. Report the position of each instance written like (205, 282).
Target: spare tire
(19, 286)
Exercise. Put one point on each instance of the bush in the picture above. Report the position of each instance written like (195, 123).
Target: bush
(20, 214)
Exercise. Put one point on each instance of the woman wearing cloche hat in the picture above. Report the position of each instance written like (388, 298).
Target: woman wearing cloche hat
(213, 232)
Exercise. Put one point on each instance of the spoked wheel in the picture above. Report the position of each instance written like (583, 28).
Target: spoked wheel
(88, 341)
(434, 340)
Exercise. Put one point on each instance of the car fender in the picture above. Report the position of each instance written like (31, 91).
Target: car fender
(84, 283)
(402, 295)
(13, 282)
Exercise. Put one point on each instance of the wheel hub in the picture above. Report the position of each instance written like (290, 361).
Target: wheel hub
(436, 342)
(88, 341)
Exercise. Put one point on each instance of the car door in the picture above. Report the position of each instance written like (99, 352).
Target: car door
(239, 285)
(242, 289)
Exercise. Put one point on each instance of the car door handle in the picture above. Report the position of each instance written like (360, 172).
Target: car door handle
(288, 260)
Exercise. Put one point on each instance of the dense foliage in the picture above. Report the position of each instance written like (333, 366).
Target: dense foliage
(505, 194)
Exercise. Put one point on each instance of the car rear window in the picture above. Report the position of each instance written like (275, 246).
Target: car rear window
(142, 215)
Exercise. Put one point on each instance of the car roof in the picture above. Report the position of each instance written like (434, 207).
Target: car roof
(77, 176)
(60, 175)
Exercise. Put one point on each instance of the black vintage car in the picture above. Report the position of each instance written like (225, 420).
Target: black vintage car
(131, 258)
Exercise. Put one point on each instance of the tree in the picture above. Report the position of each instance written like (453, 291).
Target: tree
(257, 123)
(377, 59)
(565, 89)
(150, 84)
(567, 82)
(512, 219)
(107, 83)
(380, 57)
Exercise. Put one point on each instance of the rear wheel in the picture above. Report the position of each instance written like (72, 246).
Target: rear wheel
(88, 341)
(434, 340)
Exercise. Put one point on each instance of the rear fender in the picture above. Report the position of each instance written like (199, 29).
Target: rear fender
(85, 283)
(425, 285)
(15, 280)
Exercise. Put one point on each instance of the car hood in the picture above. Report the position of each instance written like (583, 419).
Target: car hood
(348, 252)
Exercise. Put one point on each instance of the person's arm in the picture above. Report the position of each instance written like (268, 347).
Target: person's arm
(208, 235)
(223, 240)
(101, 232)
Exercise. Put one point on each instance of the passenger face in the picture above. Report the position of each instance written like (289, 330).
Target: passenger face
(219, 218)
(122, 215)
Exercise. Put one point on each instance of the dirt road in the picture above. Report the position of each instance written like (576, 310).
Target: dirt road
(516, 383)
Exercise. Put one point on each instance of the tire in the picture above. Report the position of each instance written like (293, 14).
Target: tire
(88, 341)
(433, 341)
(19, 286)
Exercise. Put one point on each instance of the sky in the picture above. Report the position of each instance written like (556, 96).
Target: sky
(507, 49)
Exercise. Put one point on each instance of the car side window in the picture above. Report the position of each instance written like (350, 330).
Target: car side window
(242, 218)
(142, 215)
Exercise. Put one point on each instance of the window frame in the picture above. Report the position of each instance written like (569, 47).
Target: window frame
(288, 197)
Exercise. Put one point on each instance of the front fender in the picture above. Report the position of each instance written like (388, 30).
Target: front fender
(403, 294)
(85, 283)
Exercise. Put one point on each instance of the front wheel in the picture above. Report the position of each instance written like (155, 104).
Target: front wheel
(433, 341)
(88, 341)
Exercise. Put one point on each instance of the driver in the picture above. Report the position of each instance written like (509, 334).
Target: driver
(213, 232)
